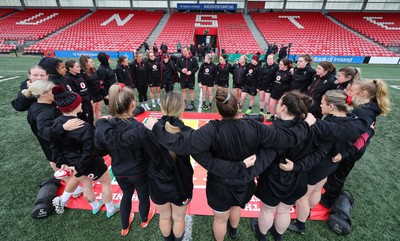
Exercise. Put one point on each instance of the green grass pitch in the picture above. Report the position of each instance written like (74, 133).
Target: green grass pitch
(373, 182)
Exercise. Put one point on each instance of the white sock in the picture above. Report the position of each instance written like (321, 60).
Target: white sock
(65, 196)
(78, 190)
(110, 207)
(152, 101)
(158, 100)
(95, 204)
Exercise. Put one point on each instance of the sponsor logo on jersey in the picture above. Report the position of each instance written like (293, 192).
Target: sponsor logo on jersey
(207, 70)
(278, 78)
(83, 86)
(69, 88)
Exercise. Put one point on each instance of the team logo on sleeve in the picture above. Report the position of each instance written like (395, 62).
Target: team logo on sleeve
(83, 86)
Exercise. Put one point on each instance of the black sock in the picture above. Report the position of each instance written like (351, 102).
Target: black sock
(250, 107)
(300, 225)
(180, 238)
(170, 237)
(277, 236)
(261, 109)
(204, 103)
(192, 102)
(260, 236)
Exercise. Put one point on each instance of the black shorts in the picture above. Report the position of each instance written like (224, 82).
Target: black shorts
(250, 90)
(269, 194)
(154, 83)
(209, 83)
(321, 171)
(97, 98)
(187, 85)
(176, 203)
(237, 85)
(95, 170)
(221, 197)
(223, 84)
(266, 89)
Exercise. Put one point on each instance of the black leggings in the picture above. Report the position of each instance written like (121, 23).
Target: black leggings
(335, 183)
(142, 89)
(128, 186)
(169, 86)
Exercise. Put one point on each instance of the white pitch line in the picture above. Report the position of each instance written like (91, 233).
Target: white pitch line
(397, 87)
(9, 78)
(188, 228)
(200, 100)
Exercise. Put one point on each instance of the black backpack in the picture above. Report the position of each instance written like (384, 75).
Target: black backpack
(43, 206)
(339, 218)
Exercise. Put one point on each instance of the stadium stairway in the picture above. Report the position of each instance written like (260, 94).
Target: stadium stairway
(256, 32)
(156, 32)
(353, 31)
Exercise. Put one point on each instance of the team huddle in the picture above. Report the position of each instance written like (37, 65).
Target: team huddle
(323, 121)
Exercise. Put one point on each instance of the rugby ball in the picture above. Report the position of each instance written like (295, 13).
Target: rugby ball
(61, 174)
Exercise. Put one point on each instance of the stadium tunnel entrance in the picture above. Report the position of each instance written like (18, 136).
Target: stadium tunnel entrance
(208, 36)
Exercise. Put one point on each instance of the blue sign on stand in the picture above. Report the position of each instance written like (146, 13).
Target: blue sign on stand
(335, 59)
(206, 7)
(92, 54)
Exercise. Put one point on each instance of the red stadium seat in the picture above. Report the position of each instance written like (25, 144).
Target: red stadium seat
(231, 27)
(96, 33)
(383, 28)
(313, 33)
(35, 24)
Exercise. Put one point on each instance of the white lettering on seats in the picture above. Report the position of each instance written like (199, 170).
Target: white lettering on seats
(381, 24)
(117, 18)
(212, 23)
(293, 20)
(28, 20)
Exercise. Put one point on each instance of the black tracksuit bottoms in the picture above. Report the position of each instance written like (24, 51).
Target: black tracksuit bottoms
(128, 186)
(335, 183)
(142, 90)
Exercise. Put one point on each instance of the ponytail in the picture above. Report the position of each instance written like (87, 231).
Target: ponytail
(37, 88)
(340, 100)
(120, 98)
(353, 73)
(172, 105)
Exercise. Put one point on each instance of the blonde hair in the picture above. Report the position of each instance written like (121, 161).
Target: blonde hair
(120, 98)
(172, 104)
(340, 100)
(37, 88)
(377, 91)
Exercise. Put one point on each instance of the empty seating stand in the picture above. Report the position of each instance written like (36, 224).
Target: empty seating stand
(7, 48)
(234, 34)
(180, 27)
(35, 24)
(104, 30)
(315, 34)
(383, 28)
(5, 11)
